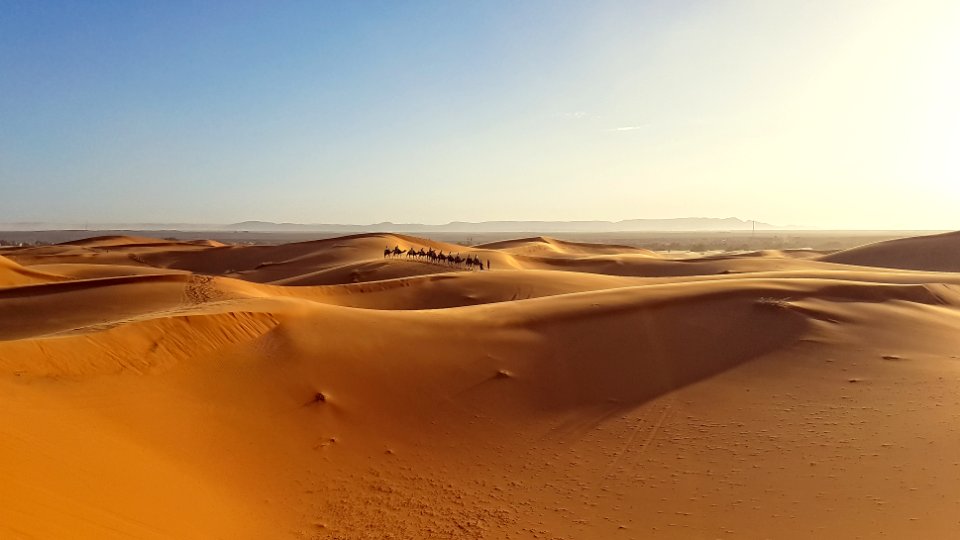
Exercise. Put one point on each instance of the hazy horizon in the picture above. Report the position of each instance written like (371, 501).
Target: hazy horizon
(655, 225)
(821, 114)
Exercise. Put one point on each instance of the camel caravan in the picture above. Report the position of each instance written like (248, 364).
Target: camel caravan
(470, 262)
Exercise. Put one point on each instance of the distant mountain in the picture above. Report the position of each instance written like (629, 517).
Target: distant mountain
(627, 225)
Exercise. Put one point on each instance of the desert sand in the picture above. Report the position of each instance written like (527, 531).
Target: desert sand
(164, 389)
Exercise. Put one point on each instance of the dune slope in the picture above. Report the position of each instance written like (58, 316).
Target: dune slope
(12, 274)
(935, 253)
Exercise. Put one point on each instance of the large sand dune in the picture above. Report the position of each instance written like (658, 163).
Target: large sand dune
(12, 273)
(160, 389)
(939, 252)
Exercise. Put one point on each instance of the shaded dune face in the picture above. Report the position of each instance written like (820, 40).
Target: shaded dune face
(160, 389)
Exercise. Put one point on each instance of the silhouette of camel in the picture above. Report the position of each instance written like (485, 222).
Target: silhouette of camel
(455, 260)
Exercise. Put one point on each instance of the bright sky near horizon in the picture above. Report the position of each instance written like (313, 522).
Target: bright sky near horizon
(828, 113)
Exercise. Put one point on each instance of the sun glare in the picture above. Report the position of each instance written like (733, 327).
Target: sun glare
(931, 153)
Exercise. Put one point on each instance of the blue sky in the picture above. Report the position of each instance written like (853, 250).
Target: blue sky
(835, 114)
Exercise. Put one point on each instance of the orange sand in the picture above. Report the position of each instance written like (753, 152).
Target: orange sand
(155, 389)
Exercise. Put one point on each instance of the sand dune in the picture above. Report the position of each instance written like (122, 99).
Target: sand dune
(119, 241)
(91, 271)
(553, 246)
(12, 273)
(940, 252)
(159, 389)
(275, 263)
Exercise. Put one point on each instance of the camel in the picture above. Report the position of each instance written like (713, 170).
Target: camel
(450, 259)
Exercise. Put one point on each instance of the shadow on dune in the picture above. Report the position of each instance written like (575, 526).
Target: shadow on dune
(606, 363)
(581, 357)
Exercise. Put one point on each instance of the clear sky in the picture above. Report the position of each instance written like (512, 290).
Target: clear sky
(829, 113)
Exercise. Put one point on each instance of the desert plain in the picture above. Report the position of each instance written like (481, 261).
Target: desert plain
(157, 388)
